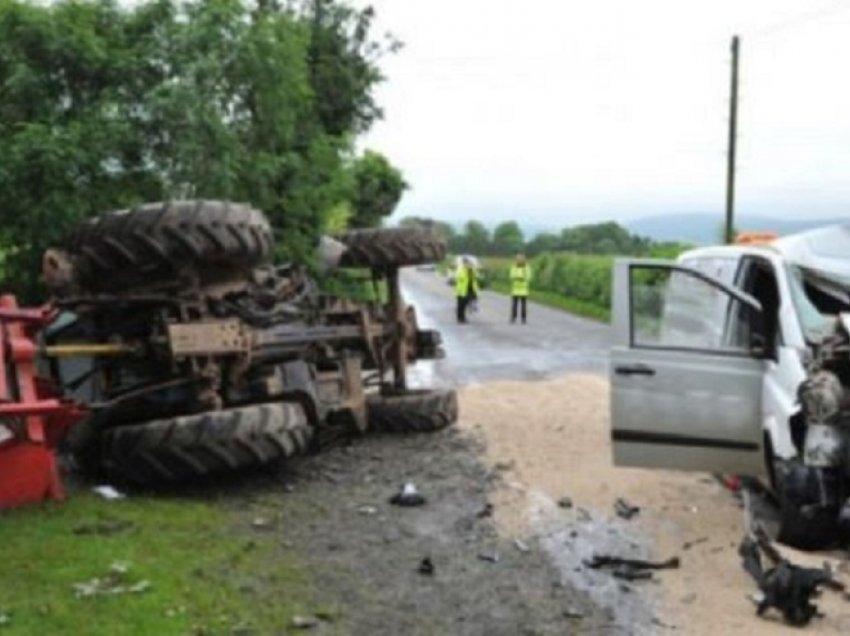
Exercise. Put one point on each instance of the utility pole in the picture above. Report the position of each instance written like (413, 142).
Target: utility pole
(733, 133)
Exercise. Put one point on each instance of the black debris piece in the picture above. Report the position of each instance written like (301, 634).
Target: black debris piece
(486, 511)
(689, 544)
(787, 587)
(624, 509)
(565, 502)
(629, 569)
(490, 557)
(408, 496)
(426, 567)
(628, 573)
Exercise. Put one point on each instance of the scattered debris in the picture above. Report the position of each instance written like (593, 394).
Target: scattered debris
(491, 557)
(486, 511)
(689, 598)
(583, 515)
(504, 466)
(261, 523)
(5, 619)
(304, 622)
(565, 502)
(367, 510)
(105, 528)
(521, 545)
(572, 613)
(687, 545)
(108, 492)
(114, 583)
(659, 623)
(408, 496)
(624, 509)
(426, 567)
(787, 587)
(630, 569)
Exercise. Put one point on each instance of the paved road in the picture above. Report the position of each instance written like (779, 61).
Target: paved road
(488, 347)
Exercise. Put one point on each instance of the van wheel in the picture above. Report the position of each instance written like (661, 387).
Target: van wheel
(804, 524)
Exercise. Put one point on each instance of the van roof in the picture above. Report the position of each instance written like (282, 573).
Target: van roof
(825, 249)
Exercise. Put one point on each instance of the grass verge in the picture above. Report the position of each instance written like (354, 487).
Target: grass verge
(207, 575)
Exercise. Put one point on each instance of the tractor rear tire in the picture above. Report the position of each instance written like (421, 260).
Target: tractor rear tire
(152, 242)
(412, 411)
(391, 247)
(192, 446)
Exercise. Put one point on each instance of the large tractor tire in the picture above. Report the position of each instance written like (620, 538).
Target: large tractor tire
(412, 411)
(192, 446)
(391, 247)
(152, 242)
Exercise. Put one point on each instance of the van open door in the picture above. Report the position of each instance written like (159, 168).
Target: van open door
(686, 371)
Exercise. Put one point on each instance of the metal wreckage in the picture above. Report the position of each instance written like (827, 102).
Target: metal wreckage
(184, 351)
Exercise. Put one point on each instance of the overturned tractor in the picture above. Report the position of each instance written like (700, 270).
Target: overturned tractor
(203, 356)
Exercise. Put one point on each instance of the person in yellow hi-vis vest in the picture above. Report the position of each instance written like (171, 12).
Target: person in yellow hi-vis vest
(466, 287)
(520, 283)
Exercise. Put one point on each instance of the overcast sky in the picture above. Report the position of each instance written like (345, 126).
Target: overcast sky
(555, 112)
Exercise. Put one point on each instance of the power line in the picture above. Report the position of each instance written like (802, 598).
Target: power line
(799, 20)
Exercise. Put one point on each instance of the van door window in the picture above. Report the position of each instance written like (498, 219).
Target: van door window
(757, 278)
(677, 309)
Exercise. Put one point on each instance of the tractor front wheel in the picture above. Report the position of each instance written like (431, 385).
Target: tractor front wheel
(412, 411)
(386, 248)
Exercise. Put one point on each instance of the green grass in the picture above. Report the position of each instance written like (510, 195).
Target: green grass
(354, 284)
(558, 301)
(498, 267)
(208, 575)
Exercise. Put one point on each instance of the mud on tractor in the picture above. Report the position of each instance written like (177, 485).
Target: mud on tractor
(200, 355)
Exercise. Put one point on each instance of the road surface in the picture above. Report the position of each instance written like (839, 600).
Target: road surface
(489, 347)
(537, 396)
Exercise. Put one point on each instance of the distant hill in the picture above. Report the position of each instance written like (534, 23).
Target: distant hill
(704, 228)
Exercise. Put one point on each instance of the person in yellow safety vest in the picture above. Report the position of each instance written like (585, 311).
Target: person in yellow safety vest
(466, 287)
(520, 282)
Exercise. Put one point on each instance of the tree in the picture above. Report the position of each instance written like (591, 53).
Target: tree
(106, 106)
(543, 242)
(508, 238)
(476, 238)
(377, 189)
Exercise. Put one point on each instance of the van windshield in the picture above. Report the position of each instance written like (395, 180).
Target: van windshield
(817, 297)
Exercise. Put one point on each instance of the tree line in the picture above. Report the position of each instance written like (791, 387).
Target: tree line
(109, 104)
(507, 238)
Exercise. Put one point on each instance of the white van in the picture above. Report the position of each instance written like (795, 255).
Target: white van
(736, 359)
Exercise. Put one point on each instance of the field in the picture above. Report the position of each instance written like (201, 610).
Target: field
(577, 283)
